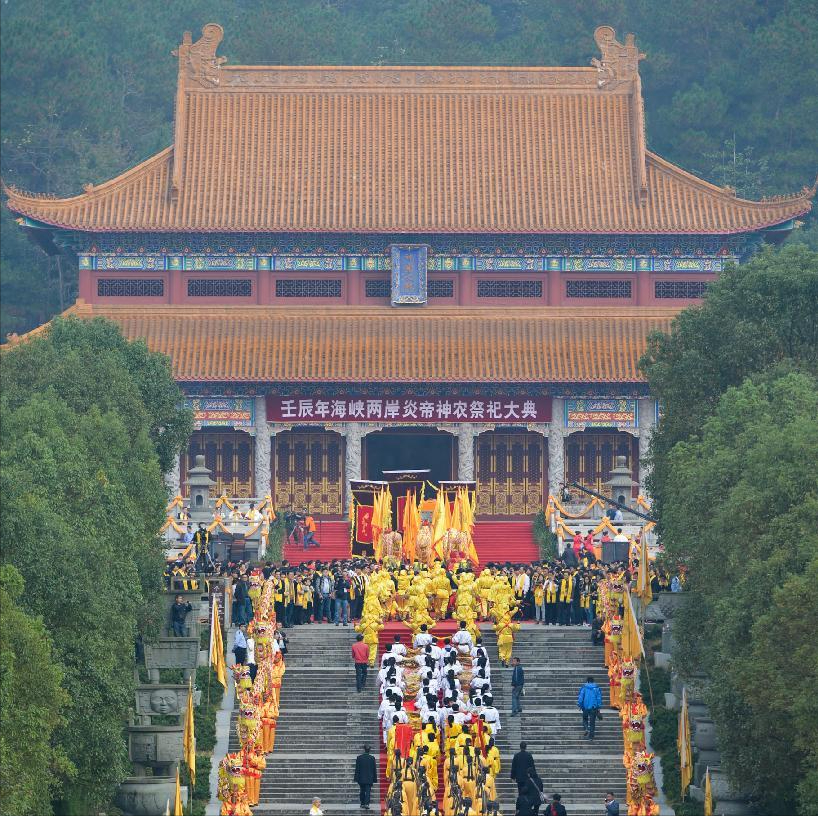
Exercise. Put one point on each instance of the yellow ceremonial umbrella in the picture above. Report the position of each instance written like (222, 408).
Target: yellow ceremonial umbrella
(708, 794)
(643, 589)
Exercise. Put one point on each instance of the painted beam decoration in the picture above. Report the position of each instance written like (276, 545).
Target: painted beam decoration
(601, 413)
(409, 410)
(409, 278)
(222, 412)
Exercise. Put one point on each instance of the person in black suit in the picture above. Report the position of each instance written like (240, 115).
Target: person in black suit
(366, 775)
(521, 762)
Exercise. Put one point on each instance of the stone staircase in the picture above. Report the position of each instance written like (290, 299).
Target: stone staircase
(332, 535)
(502, 540)
(556, 661)
(322, 726)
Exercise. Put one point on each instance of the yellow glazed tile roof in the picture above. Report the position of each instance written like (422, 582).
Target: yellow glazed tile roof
(382, 344)
(408, 149)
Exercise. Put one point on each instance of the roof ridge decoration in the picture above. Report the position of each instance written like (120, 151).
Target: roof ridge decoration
(619, 63)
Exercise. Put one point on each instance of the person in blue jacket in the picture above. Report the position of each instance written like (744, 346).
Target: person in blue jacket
(589, 701)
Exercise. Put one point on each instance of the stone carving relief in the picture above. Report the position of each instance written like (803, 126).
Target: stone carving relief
(556, 448)
(172, 653)
(161, 700)
(155, 744)
(262, 454)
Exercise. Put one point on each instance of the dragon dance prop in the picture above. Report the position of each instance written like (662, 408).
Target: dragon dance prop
(623, 649)
(240, 772)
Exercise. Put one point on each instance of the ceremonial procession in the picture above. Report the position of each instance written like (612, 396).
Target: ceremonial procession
(408, 406)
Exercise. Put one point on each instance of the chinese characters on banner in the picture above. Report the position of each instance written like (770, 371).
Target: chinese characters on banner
(601, 413)
(412, 410)
(221, 412)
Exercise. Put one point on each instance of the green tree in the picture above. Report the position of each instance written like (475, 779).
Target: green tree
(741, 512)
(756, 315)
(87, 419)
(32, 702)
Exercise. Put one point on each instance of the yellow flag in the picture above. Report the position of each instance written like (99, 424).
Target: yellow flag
(643, 588)
(683, 744)
(387, 508)
(217, 660)
(447, 510)
(190, 735)
(708, 795)
(375, 524)
(456, 522)
(439, 523)
(177, 802)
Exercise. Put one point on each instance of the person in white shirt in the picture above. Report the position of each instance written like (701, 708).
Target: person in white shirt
(480, 682)
(618, 517)
(462, 639)
(479, 650)
(315, 810)
(422, 638)
(398, 648)
(490, 713)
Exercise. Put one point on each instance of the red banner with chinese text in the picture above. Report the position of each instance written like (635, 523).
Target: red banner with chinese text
(363, 524)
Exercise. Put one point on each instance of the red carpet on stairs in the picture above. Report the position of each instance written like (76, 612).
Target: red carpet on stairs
(333, 536)
(501, 541)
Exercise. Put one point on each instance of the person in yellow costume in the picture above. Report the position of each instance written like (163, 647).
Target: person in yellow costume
(441, 590)
(483, 587)
(369, 626)
(409, 787)
(505, 629)
(467, 771)
(401, 595)
(492, 758)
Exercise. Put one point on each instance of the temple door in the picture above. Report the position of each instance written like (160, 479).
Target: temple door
(308, 472)
(229, 456)
(590, 457)
(509, 474)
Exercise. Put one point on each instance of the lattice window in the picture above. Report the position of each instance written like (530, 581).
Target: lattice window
(440, 288)
(300, 457)
(308, 288)
(130, 287)
(534, 461)
(211, 456)
(315, 462)
(243, 470)
(501, 454)
(598, 289)
(227, 461)
(680, 289)
(573, 456)
(283, 461)
(378, 288)
(509, 289)
(606, 457)
(333, 462)
(590, 462)
(517, 462)
(484, 461)
(219, 287)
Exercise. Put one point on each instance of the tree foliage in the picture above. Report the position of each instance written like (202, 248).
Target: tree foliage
(87, 420)
(32, 702)
(731, 91)
(734, 464)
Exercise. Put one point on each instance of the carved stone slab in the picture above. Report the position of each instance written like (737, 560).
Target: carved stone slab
(155, 744)
(172, 653)
(161, 700)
